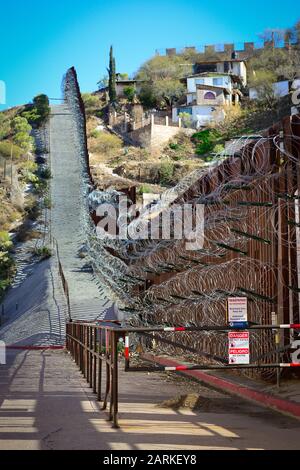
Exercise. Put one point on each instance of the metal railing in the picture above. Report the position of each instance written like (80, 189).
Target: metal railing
(91, 345)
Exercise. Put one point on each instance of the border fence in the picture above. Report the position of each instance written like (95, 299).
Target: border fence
(251, 247)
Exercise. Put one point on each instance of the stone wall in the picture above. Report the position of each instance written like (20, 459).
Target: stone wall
(160, 135)
(155, 136)
(245, 50)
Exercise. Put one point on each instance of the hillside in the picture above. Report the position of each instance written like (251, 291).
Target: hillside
(24, 180)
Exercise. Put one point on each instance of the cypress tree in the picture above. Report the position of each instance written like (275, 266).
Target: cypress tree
(112, 77)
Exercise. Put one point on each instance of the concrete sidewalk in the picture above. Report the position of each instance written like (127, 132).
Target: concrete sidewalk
(46, 404)
(285, 400)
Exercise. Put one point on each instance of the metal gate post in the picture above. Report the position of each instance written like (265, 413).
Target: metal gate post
(115, 381)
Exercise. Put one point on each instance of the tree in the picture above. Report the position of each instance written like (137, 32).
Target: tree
(20, 124)
(273, 36)
(39, 111)
(267, 60)
(21, 130)
(91, 102)
(130, 92)
(112, 77)
(162, 76)
(168, 91)
(103, 82)
(41, 103)
(264, 83)
(290, 69)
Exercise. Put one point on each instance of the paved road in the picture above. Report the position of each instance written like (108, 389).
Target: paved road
(46, 404)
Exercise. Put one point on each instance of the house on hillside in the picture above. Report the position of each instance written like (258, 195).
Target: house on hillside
(234, 67)
(213, 86)
(122, 84)
(207, 96)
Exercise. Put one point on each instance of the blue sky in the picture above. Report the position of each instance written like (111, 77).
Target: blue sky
(41, 39)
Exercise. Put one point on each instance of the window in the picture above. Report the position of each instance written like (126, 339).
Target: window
(184, 110)
(218, 81)
(199, 81)
(209, 96)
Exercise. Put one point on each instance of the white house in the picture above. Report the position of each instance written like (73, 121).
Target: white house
(234, 67)
(207, 96)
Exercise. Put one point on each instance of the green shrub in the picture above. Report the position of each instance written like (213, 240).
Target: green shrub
(37, 112)
(7, 147)
(45, 173)
(144, 189)
(41, 187)
(43, 253)
(21, 130)
(130, 92)
(7, 265)
(32, 115)
(166, 172)
(41, 104)
(91, 103)
(47, 202)
(106, 143)
(174, 146)
(205, 141)
(29, 166)
(31, 178)
(219, 148)
(5, 241)
(95, 134)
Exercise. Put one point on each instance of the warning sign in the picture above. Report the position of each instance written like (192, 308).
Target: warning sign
(239, 348)
(237, 309)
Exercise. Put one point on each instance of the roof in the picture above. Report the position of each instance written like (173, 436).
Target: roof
(124, 82)
(207, 74)
(213, 88)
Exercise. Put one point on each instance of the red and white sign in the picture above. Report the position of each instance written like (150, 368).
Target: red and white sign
(237, 309)
(239, 348)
